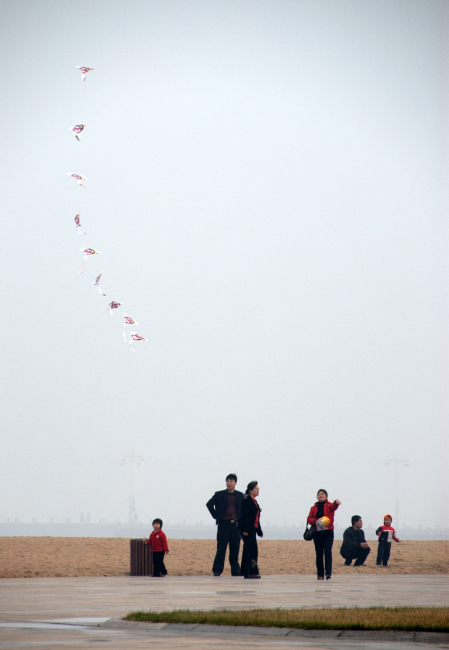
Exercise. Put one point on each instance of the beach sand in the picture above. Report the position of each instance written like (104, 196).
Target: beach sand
(43, 557)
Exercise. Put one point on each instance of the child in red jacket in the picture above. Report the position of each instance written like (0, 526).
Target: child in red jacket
(386, 534)
(159, 546)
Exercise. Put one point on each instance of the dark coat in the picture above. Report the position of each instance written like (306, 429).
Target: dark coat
(248, 516)
(352, 539)
(219, 502)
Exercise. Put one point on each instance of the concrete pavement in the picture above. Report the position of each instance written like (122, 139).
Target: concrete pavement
(67, 612)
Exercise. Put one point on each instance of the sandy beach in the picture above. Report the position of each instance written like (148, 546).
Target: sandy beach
(39, 557)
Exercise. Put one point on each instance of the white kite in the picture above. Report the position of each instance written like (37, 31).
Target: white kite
(77, 129)
(87, 253)
(136, 337)
(97, 284)
(114, 305)
(84, 70)
(78, 225)
(78, 177)
(129, 320)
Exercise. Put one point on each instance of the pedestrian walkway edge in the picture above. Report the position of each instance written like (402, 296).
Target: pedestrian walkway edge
(243, 630)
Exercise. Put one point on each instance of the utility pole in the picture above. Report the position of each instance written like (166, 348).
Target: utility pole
(397, 462)
(131, 460)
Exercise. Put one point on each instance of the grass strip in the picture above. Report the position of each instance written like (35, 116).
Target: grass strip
(415, 619)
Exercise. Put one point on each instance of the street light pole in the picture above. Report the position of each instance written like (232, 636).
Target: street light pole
(131, 460)
(397, 462)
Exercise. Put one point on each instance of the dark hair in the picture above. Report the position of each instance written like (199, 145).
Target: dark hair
(355, 519)
(251, 485)
(325, 491)
(232, 477)
(158, 521)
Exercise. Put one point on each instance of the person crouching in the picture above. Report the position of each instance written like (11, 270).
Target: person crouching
(355, 546)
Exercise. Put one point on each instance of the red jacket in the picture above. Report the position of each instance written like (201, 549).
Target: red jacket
(158, 541)
(329, 509)
(388, 529)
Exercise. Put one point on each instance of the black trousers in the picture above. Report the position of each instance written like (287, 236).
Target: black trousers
(250, 555)
(228, 532)
(359, 556)
(323, 541)
(383, 552)
(158, 564)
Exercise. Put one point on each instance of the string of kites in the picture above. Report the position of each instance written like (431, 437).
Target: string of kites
(77, 130)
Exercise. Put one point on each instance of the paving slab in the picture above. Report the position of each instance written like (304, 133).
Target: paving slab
(114, 597)
(72, 612)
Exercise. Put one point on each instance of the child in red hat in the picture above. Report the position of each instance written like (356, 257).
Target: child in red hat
(386, 534)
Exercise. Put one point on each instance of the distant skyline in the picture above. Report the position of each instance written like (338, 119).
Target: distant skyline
(267, 187)
(197, 530)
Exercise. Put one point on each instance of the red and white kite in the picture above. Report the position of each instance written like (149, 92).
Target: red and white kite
(84, 70)
(129, 320)
(97, 284)
(78, 225)
(114, 305)
(87, 253)
(77, 130)
(136, 337)
(79, 178)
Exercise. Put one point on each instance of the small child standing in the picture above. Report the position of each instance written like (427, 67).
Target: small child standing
(386, 534)
(159, 546)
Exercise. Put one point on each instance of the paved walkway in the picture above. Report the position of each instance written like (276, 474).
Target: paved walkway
(66, 612)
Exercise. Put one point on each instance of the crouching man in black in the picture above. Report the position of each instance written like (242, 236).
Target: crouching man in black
(225, 507)
(354, 545)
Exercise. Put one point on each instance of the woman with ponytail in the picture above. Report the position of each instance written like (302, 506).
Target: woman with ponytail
(249, 524)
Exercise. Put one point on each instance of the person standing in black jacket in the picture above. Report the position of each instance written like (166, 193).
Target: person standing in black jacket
(225, 507)
(354, 546)
(250, 527)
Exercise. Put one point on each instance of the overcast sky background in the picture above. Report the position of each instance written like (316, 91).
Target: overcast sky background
(267, 189)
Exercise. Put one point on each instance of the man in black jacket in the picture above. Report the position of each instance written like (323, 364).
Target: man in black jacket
(354, 546)
(225, 507)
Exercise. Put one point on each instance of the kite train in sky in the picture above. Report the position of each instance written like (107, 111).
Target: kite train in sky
(77, 129)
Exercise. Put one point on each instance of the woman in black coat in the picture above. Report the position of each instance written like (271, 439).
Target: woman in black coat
(249, 524)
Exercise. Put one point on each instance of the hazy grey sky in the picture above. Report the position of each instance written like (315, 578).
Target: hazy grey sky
(267, 192)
